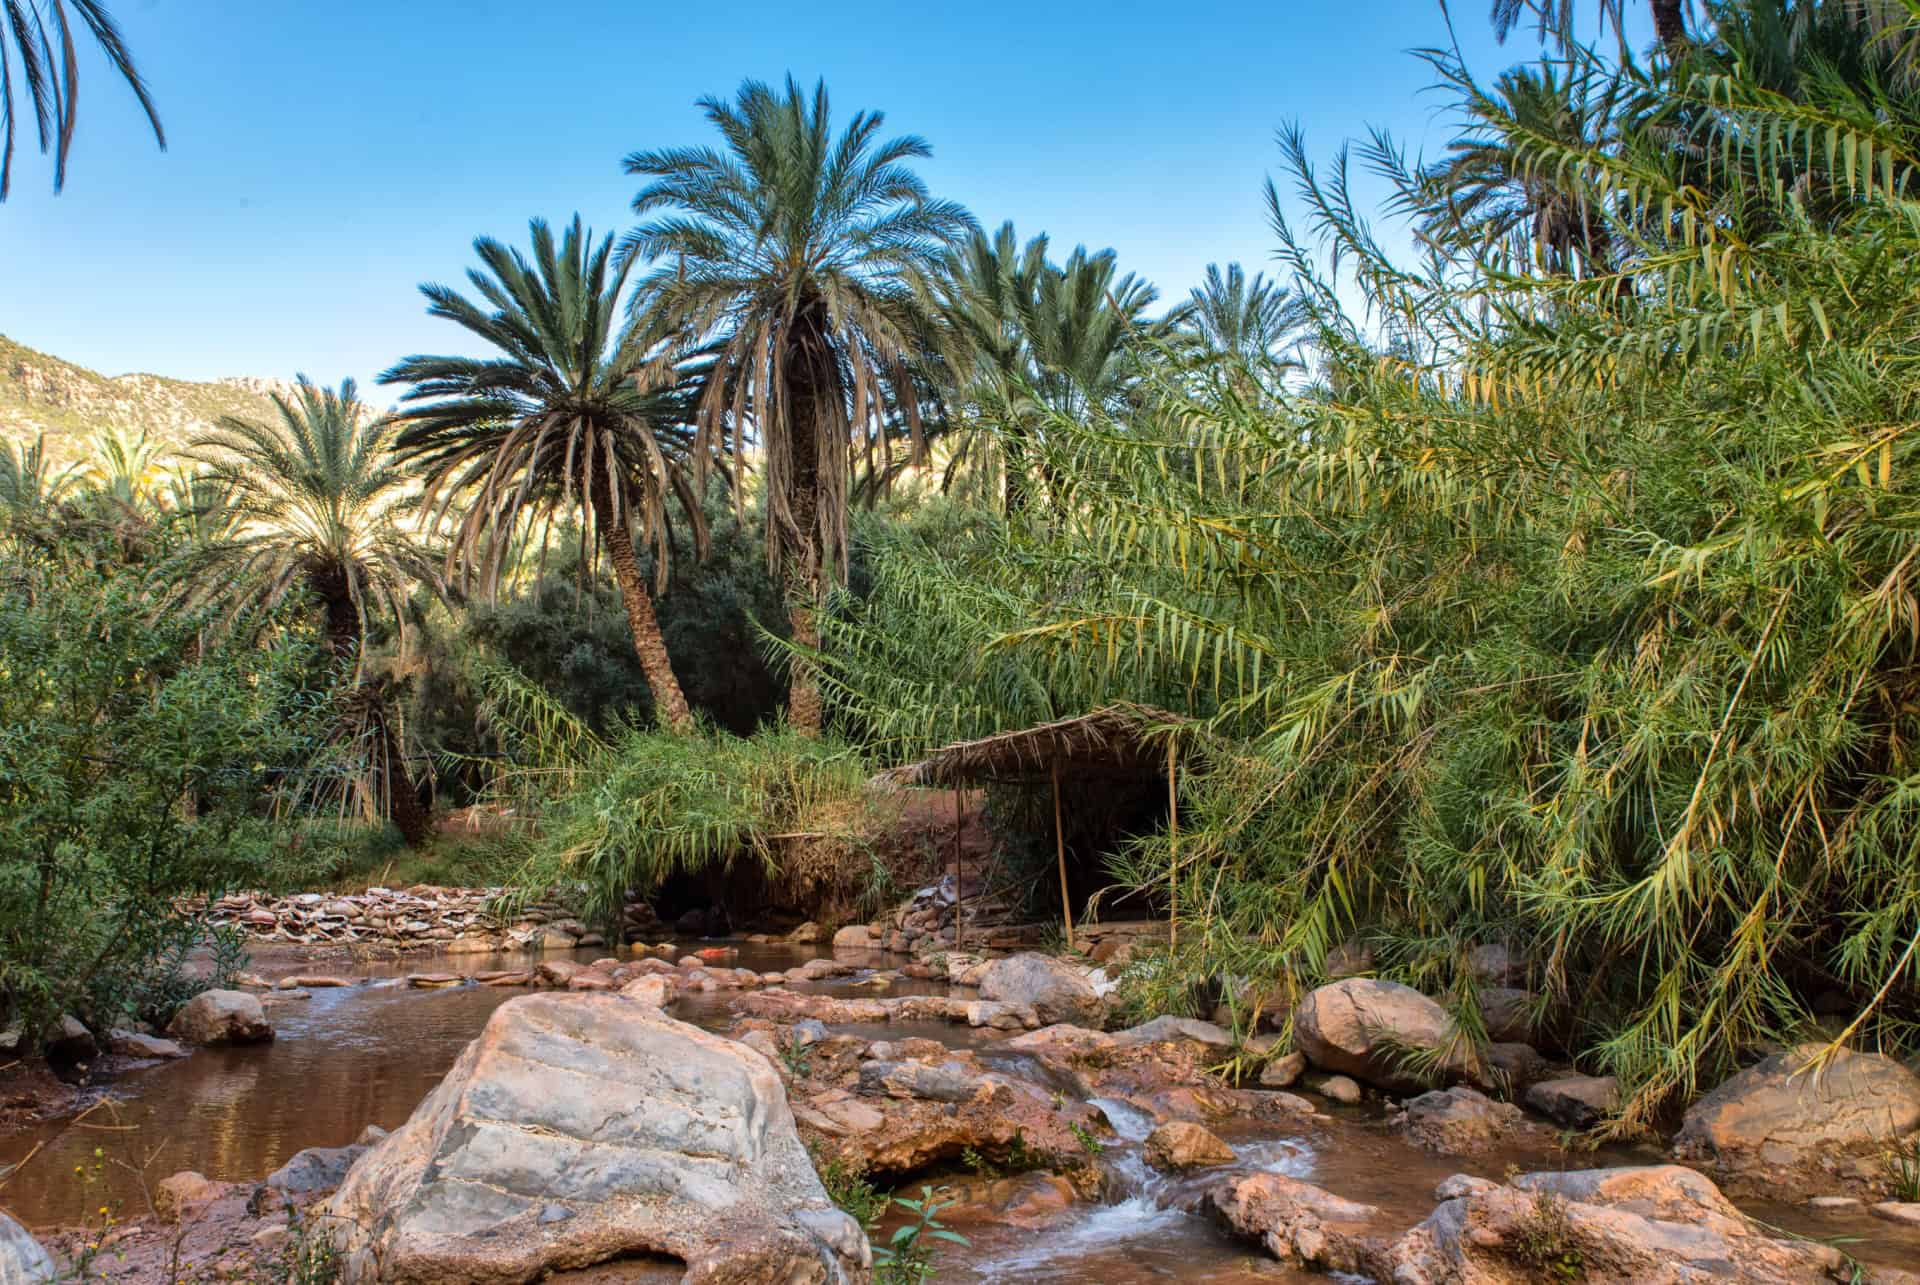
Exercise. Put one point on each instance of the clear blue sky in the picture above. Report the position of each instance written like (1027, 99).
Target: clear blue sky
(325, 158)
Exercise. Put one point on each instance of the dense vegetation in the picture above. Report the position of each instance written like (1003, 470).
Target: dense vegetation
(1553, 585)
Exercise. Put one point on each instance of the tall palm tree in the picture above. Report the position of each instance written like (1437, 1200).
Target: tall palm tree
(38, 35)
(794, 250)
(316, 507)
(573, 410)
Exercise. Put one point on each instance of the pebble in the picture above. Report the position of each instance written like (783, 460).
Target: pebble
(1833, 1203)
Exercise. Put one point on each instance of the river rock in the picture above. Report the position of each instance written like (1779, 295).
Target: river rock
(221, 1017)
(651, 989)
(22, 1260)
(1055, 990)
(1781, 1113)
(1361, 1027)
(1579, 1101)
(1298, 1222)
(1512, 1068)
(1061, 1038)
(647, 1134)
(177, 1196)
(1460, 1121)
(315, 1169)
(1170, 1029)
(1282, 1072)
(1337, 1088)
(70, 1041)
(946, 1082)
(139, 1044)
(1658, 1224)
(853, 937)
(1179, 1144)
(808, 934)
(1507, 1012)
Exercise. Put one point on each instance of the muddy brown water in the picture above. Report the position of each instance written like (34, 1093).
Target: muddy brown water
(346, 1058)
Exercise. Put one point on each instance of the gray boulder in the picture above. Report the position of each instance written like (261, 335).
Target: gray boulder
(1783, 1114)
(1460, 1121)
(314, 1170)
(22, 1261)
(1367, 1028)
(221, 1017)
(1055, 990)
(1579, 1101)
(584, 1127)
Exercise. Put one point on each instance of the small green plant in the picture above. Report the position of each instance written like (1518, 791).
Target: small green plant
(847, 1186)
(1547, 1242)
(1092, 1145)
(1021, 1156)
(308, 1257)
(908, 1256)
(978, 1163)
(98, 1225)
(1903, 1169)
(797, 1057)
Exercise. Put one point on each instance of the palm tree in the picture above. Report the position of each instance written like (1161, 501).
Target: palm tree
(573, 410)
(1497, 188)
(1556, 18)
(1246, 320)
(39, 35)
(794, 250)
(30, 487)
(316, 501)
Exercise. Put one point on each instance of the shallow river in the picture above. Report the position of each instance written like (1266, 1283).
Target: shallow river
(347, 1058)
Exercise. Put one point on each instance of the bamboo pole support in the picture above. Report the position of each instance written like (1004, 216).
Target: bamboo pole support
(1060, 854)
(959, 879)
(1173, 851)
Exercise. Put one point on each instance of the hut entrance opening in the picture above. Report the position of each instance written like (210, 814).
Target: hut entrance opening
(1063, 795)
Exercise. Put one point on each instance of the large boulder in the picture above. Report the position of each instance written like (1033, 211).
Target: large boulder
(1055, 990)
(1652, 1225)
(584, 1127)
(1368, 1028)
(1783, 1114)
(221, 1017)
(22, 1261)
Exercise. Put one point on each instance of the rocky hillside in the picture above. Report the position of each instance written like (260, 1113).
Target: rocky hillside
(69, 403)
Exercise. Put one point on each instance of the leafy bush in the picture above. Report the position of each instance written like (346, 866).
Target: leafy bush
(136, 757)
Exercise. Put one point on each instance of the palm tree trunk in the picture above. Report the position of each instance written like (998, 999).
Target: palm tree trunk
(1670, 25)
(648, 643)
(808, 419)
(412, 820)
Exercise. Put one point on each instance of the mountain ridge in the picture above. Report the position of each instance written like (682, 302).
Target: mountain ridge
(69, 404)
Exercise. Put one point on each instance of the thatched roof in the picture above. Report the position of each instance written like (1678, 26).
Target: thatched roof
(1117, 743)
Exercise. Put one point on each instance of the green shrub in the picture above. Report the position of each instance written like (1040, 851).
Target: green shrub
(137, 757)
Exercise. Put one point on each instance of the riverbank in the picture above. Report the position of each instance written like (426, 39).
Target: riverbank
(1040, 1130)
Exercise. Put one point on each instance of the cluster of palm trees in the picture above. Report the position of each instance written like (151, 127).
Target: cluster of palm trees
(795, 316)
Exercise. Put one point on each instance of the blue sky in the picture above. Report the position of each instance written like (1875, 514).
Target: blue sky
(325, 158)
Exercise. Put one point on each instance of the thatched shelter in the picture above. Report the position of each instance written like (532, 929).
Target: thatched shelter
(1122, 744)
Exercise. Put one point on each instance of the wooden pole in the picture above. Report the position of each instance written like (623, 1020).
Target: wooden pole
(1173, 852)
(959, 880)
(1060, 852)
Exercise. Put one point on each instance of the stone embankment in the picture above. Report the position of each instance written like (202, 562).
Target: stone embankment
(424, 917)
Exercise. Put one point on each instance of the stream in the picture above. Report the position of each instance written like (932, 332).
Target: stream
(349, 1057)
